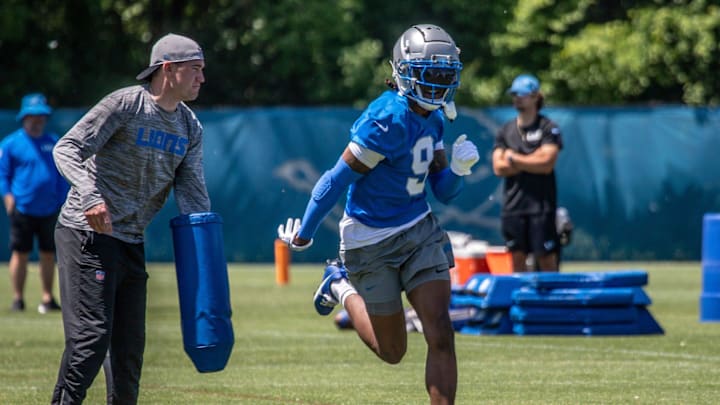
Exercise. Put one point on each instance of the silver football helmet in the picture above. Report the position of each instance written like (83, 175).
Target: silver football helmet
(426, 66)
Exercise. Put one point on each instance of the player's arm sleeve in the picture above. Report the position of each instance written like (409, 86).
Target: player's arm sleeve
(326, 193)
(445, 185)
(191, 193)
(83, 141)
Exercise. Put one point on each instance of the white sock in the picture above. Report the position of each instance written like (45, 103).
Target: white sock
(342, 289)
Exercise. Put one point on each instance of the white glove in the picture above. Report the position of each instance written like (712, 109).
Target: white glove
(464, 156)
(288, 232)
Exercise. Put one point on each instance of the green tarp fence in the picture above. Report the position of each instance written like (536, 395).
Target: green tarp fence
(636, 181)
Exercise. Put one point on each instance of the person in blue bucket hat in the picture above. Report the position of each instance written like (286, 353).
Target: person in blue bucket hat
(525, 151)
(33, 192)
(33, 104)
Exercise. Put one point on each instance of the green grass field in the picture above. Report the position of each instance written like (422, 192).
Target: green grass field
(286, 354)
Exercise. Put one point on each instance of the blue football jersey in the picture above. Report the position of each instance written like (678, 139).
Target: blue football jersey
(393, 193)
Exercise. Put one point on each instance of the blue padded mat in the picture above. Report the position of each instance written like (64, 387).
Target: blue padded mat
(628, 278)
(570, 315)
(645, 324)
(488, 291)
(500, 324)
(640, 297)
(467, 300)
(574, 297)
(461, 316)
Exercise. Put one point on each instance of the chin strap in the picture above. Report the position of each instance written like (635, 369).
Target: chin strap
(449, 110)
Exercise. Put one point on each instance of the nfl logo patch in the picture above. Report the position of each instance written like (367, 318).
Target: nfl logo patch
(100, 275)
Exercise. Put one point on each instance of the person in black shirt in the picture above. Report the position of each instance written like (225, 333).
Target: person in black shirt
(526, 149)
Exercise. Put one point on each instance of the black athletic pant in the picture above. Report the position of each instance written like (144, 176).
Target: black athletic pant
(103, 286)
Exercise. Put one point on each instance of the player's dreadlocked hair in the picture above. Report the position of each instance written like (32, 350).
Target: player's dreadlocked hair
(391, 84)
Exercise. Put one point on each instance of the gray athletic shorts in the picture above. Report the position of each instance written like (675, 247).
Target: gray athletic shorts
(404, 261)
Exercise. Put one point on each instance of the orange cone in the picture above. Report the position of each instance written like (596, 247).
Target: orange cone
(282, 262)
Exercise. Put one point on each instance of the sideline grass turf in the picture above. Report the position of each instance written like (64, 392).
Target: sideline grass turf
(286, 354)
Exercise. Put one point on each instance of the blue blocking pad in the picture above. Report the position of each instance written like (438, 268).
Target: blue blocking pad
(573, 315)
(573, 297)
(594, 303)
(203, 290)
(645, 324)
(625, 278)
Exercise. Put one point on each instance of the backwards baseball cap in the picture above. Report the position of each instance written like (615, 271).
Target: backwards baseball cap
(171, 48)
(524, 84)
(33, 104)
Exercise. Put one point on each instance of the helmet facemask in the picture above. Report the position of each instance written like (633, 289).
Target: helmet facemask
(426, 66)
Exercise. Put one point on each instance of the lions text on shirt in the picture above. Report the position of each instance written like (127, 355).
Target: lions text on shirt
(130, 153)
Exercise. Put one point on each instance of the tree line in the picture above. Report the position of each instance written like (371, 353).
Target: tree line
(327, 52)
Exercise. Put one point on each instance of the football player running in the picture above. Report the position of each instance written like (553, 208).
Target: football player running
(389, 239)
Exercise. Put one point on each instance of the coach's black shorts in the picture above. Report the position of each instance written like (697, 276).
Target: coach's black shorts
(24, 228)
(534, 234)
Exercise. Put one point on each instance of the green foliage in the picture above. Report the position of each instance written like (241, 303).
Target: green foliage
(318, 52)
(665, 54)
(587, 52)
(589, 69)
(358, 64)
(292, 50)
(535, 33)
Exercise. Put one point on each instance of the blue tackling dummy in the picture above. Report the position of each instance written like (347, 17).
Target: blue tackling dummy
(203, 290)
